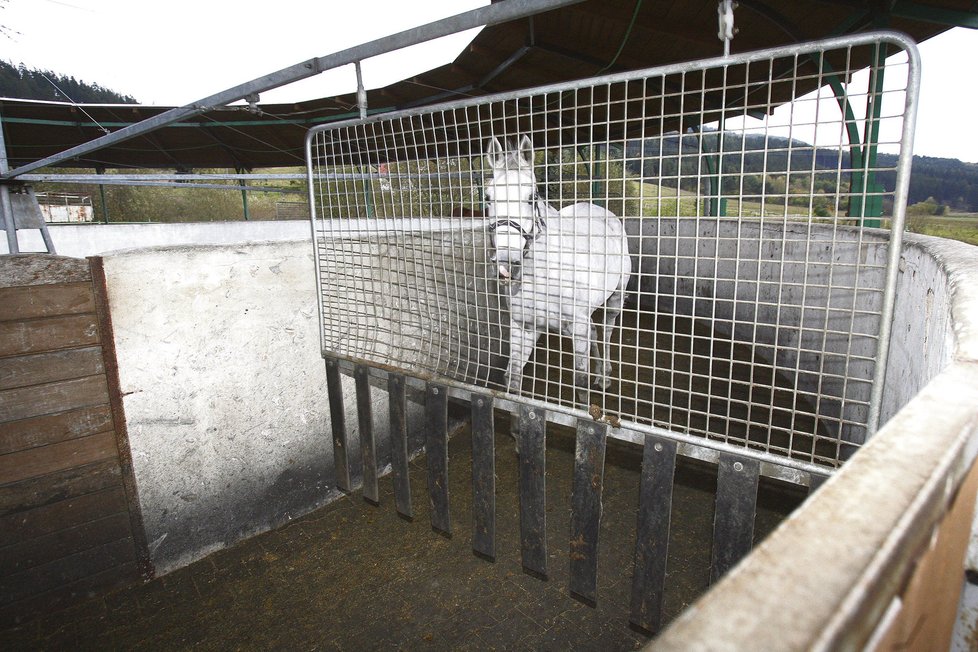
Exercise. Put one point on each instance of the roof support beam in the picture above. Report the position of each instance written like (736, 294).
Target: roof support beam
(499, 12)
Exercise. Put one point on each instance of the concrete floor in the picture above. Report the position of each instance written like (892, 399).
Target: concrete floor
(352, 576)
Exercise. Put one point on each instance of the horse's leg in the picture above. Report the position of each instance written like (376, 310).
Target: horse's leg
(612, 309)
(580, 332)
(521, 343)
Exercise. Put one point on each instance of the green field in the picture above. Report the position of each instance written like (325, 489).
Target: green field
(954, 226)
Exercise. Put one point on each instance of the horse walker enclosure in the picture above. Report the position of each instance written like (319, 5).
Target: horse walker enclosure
(651, 257)
(698, 267)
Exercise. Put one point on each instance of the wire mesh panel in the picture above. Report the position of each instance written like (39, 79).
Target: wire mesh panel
(681, 249)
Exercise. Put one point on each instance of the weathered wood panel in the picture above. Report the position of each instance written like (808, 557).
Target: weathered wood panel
(48, 334)
(49, 489)
(43, 550)
(38, 368)
(22, 303)
(67, 569)
(53, 428)
(69, 522)
(22, 526)
(32, 269)
(67, 594)
(34, 462)
(51, 398)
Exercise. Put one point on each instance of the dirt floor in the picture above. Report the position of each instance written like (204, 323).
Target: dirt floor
(352, 576)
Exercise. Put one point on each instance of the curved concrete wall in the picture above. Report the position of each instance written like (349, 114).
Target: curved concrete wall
(875, 557)
(224, 394)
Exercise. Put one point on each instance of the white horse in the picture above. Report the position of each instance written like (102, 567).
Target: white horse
(571, 261)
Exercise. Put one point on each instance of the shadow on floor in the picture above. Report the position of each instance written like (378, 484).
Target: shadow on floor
(352, 576)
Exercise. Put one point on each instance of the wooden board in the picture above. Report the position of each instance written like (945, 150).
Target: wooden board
(63, 543)
(42, 460)
(23, 526)
(46, 301)
(33, 269)
(533, 490)
(652, 533)
(483, 477)
(69, 520)
(588, 483)
(50, 366)
(48, 334)
(436, 453)
(66, 485)
(54, 428)
(51, 398)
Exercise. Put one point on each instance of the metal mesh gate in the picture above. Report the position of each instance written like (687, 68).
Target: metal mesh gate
(664, 257)
(758, 303)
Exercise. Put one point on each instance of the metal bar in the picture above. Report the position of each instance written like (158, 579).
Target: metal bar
(483, 477)
(533, 495)
(368, 448)
(586, 489)
(165, 176)
(397, 399)
(436, 449)
(6, 206)
(493, 14)
(9, 224)
(772, 466)
(334, 390)
(733, 522)
(111, 181)
(901, 193)
(361, 91)
(652, 537)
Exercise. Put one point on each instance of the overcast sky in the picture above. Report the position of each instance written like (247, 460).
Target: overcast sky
(175, 52)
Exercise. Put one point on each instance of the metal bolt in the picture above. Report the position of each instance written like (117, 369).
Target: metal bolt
(531, 415)
(480, 402)
(738, 466)
(434, 390)
(658, 448)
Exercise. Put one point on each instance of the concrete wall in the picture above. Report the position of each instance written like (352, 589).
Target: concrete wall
(80, 240)
(224, 391)
(870, 560)
(790, 290)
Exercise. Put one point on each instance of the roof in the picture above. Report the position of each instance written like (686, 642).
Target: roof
(578, 41)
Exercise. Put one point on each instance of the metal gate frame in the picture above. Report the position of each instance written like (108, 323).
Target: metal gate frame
(739, 467)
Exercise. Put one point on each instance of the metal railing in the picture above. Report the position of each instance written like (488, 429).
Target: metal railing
(763, 334)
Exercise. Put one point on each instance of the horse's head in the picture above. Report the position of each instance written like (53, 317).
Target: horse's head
(513, 204)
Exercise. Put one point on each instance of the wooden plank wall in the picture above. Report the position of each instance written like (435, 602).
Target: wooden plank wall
(69, 520)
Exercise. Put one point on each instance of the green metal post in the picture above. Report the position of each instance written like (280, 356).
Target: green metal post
(598, 171)
(873, 210)
(101, 194)
(368, 191)
(244, 195)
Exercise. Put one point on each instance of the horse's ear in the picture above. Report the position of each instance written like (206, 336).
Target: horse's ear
(494, 154)
(526, 150)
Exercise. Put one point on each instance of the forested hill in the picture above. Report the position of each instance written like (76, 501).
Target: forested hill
(23, 83)
(950, 182)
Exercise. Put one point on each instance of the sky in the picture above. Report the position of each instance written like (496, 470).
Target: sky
(176, 52)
